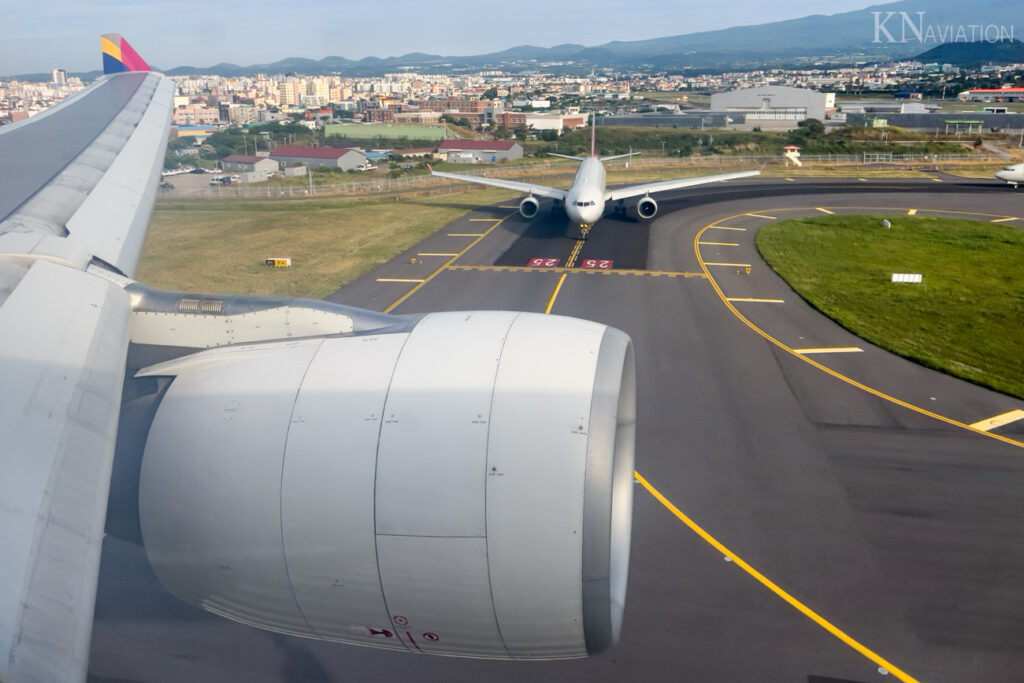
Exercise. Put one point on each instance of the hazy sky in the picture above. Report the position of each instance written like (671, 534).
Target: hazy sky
(42, 35)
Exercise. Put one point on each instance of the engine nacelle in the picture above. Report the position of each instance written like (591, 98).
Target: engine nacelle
(529, 207)
(647, 207)
(463, 488)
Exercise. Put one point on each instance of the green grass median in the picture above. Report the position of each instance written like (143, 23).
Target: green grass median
(966, 318)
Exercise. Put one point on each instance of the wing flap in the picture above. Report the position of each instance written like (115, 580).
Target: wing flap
(648, 188)
(63, 340)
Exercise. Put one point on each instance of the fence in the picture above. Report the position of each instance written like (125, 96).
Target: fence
(425, 183)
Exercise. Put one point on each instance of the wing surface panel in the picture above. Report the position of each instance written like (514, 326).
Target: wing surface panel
(33, 153)
(637, 190)
(63, 341)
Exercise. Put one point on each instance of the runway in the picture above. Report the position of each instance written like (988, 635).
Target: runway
(813, 508)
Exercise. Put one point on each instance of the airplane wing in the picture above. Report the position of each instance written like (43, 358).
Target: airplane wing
(79, 181)
(526, 188)
(649, 188)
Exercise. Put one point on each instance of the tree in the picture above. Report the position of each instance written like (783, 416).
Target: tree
(549, 135)
(463, 122)
(521, 131)
(813, 127)
(489, 94)
(501, 133)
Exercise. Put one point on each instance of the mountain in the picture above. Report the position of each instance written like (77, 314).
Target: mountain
(882, 32)
(1008, 52)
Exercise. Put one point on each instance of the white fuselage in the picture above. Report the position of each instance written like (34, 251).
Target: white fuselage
(1013, 174)
(585, 202)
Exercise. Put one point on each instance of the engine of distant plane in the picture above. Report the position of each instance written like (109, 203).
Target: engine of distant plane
(647, 207)
(463, 487)
(529, 207)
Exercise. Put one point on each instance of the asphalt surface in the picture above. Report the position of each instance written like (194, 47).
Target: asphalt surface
(853, 485)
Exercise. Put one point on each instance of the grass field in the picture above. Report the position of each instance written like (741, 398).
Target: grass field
(219, 246)
(966, 318)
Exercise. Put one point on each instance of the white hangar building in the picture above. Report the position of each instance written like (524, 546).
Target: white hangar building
(776, 103)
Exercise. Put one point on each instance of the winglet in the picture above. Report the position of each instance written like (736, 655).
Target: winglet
(119, 56)
(593, 134)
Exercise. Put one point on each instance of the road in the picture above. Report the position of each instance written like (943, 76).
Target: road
(838, 517)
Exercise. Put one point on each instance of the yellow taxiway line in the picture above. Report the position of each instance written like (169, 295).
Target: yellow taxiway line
(757, 215)
(731, 265)
(554, 295)
(1003, 220)
(832, 349)
(720, 244)
(756, 301)
(884, 664)
(443, 266)
(465, 234)
(824, 210)
(399, 279)
(999, 420)
(911, 212)
(724, 227)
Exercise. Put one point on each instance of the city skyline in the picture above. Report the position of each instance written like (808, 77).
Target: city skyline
(171, 33)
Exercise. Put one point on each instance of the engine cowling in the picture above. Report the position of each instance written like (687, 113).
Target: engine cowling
(529, 207)
(647, 207)
(463, 488)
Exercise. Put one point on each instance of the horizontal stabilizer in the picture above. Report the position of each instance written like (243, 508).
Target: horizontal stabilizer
(565, 156)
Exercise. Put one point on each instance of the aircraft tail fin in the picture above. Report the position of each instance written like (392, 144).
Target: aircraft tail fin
(119, 56)
(593, 135)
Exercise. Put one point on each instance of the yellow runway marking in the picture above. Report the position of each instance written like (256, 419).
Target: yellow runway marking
(824, 210)
(758, 215)
(554, 295)
(398, 279)
(758, 301)
(936, 180)
(1003, 220)
(465, 234)
(832, 349)
(790, 180)
(911, 212)
(447, 263)
(773, 587)
(863, 180)
(723, 227)
(731, 265)
(720, 244)
(999, 420)
(849, 380)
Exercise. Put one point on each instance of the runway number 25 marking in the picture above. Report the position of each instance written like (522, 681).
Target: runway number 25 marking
(601, 263)
(544, 262)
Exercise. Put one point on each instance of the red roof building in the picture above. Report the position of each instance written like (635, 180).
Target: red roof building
(345, 158)
(475, 151)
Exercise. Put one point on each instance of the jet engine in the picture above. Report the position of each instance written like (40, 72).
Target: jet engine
(529, 207)
(647, 207)
(462, 488)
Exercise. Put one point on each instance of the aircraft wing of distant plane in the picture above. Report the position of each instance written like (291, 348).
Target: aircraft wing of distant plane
(527, 188)
(78, 185)
(661, 186)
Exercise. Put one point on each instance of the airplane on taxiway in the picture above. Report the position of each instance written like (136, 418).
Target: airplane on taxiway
(1012, 174)
(585, 202)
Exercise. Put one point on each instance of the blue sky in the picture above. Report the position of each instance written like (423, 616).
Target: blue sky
(39, 36)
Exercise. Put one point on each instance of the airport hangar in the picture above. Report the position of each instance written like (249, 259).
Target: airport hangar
(775, 104)
(875, 492)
